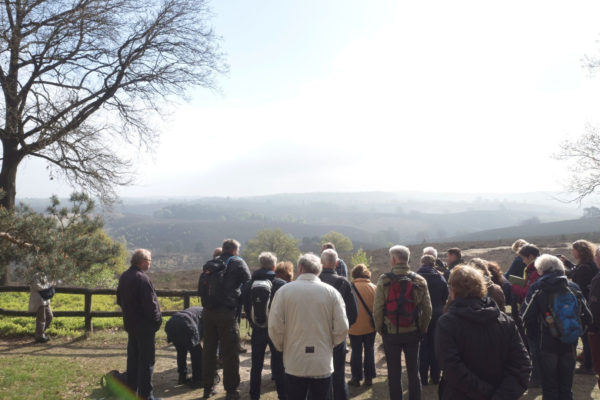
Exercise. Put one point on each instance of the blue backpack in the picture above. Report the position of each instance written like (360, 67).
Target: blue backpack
(566, 311)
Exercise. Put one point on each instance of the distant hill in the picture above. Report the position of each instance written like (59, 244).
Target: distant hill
(569, 227)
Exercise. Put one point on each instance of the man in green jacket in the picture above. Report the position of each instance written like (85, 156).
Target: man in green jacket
(402, 311)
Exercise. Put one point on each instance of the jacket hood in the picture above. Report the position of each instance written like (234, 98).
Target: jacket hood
(475, 309)
(427, 269)
(262, 274)
(553, 281)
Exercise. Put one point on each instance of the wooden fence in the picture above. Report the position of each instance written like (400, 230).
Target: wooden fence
(87, 312)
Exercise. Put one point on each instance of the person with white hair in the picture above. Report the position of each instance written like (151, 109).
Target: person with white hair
(555, 314)
(329, 258)
(257, 296)
(141, 319)
(439, 264)
(307, 320)
(402, 324)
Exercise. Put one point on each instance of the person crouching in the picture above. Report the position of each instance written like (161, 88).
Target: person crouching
(184, 330)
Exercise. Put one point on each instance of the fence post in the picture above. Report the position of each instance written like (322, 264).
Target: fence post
(186, 301)
(88, 316)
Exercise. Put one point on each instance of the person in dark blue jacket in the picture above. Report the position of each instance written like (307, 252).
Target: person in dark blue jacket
(141, 319)
(557, 357)
(265, 278)
(518, 266)
(184, 330)
(329, 275)
(438, 292)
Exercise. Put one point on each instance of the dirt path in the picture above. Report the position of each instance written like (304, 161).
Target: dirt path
(105, 351)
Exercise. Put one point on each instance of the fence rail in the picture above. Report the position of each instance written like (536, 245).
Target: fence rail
(87, 312)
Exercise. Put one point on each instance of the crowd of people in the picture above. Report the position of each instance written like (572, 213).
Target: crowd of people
(449, 320)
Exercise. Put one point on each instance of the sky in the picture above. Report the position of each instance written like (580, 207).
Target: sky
(323, 95)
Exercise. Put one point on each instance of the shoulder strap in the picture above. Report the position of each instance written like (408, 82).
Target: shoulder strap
(364, 305)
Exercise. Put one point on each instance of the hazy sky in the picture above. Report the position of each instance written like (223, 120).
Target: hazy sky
(352, 95)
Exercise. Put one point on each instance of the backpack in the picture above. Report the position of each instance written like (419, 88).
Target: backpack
(260, 300)
(400, 308)
(211, 288)
(566, 312)
(115, 383)
(47, 294)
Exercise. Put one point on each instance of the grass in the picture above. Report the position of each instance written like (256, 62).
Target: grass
(70, 326)
(44, 378)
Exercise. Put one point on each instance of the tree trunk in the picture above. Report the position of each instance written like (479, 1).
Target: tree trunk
(8, 175)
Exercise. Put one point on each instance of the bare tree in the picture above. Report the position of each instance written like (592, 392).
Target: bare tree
(78, 75)
(584, 157)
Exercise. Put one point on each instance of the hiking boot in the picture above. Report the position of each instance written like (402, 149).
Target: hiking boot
(234, 395)
(183, 379)
(354, 382)
(209, 393)
(368, 382)
(42, 339)
(241, 349)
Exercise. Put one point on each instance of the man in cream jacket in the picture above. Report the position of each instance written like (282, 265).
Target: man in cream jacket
(307, 320)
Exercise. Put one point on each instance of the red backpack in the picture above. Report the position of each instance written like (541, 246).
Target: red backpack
(400, 308)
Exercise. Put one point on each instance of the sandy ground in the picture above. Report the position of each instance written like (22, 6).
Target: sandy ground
(106, 351)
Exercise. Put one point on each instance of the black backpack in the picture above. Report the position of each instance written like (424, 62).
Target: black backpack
(115, 383)
(260, 300)
(210, 285)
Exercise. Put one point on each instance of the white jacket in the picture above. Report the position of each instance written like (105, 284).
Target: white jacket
(307, 320)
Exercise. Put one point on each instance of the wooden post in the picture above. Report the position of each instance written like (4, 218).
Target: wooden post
(88, 316)
(186, 301)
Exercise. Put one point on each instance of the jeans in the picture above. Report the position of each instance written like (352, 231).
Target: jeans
(356, 361)
(587, 353)
(557, 375)
(301, 387)
(196, 358)
(260, 340)
(534, 354)
(594, 341)
(42, 320)
(394, 345)
(338, 379)
(427, 361)
(140, 363)
(220, 325)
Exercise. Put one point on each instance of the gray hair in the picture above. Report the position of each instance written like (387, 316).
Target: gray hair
(548, 263)
(428, 259)
(267, 260)
(310, 264)
(402, 253)
(139, 255)
(329, 257)
(430, 251)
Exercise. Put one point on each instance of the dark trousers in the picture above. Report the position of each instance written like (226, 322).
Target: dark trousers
(42, 320)
(338, 379)
(259, 341)
(557, 375)
(594, 341)
(427, 361)
(301, 387)
(394, 345)
(195, 357)
(534, 354)
(140, 363)
(357, 343)
(220, 325)
(587, 353)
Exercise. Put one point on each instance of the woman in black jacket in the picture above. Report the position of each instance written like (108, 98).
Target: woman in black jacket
(479, 349)
(582, 274)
